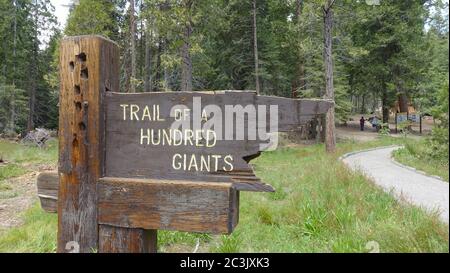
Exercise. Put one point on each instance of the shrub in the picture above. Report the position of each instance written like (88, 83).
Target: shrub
(438, 141)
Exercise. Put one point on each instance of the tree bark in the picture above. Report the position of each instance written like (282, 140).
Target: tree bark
(255, 48)
(330, 138)
(385, 107)
(132, 48)
(363, 104)
(166, 85)
(301, 67)
(299, 81)
(12, 122)
(158, 64)
(33, 76)
(142, 42)
(186, 65)
(148, 81)
(31, 103)
(403, 103)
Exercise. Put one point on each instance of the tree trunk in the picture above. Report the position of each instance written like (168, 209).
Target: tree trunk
(33, 76)
(166, 86)
(158, 64)
(12, 122)
(300, 73)
(132, 48)
(142, 43)
(186, 65)
(255, 48)
(403, 103)
(148, 81)
(363, 104)
(31, 103)
(329, 126)
(385, 107)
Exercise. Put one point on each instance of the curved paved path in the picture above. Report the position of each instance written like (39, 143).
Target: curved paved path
(421, 190)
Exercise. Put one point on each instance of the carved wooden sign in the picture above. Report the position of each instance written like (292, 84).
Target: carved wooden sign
(133, 163)
(197, 136)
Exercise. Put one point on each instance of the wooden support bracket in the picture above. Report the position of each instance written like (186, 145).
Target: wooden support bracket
(168, 205)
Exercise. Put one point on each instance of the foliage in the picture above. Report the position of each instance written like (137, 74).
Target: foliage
(26, 31)
(323, 208)
(384, 130)
(438, 141)
(404, 127)
(379, 51)
(416, 154)
(13, 109)
(92, 17)
(391, 40)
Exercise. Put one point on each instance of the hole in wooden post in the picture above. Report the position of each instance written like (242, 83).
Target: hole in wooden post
(75, 142)
(81, 57)
(82, 126)
(78, 105)
(84, 73)
(71, 66)
(77, 89)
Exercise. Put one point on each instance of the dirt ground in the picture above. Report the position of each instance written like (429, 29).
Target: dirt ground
(23, 192)
(352, 130)
(21, 196)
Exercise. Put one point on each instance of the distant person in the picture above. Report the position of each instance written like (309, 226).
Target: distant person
(361, 123)
(375, 123)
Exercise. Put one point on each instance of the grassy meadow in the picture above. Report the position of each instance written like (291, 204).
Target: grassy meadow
(20, 159)
(412, 155)
(319, 206)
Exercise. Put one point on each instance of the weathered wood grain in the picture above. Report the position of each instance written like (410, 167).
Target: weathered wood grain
(126, 240)
(127, 157)
(47, 184)
(88, 69)
(168, 205)
(47, 188)
(97, 208)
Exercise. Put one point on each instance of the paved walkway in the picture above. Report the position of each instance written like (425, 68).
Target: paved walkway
(421, 190)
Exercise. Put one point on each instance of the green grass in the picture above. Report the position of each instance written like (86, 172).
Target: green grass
(20, 154)
(327, 208)
(21, 159)
(413, 155)
(319, 206)
(37, 234)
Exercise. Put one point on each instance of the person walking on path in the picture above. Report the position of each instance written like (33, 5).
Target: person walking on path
(361, 123)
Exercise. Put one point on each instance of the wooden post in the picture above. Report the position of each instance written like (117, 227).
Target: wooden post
(126, 240)
(108, 202)
(89, 67)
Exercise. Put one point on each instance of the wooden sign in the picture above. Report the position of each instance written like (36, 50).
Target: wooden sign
(145, 137)
(130, 164)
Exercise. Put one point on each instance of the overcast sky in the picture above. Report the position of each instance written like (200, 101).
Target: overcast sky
(61, 11)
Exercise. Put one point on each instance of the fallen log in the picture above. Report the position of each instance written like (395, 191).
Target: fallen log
(47, 188)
